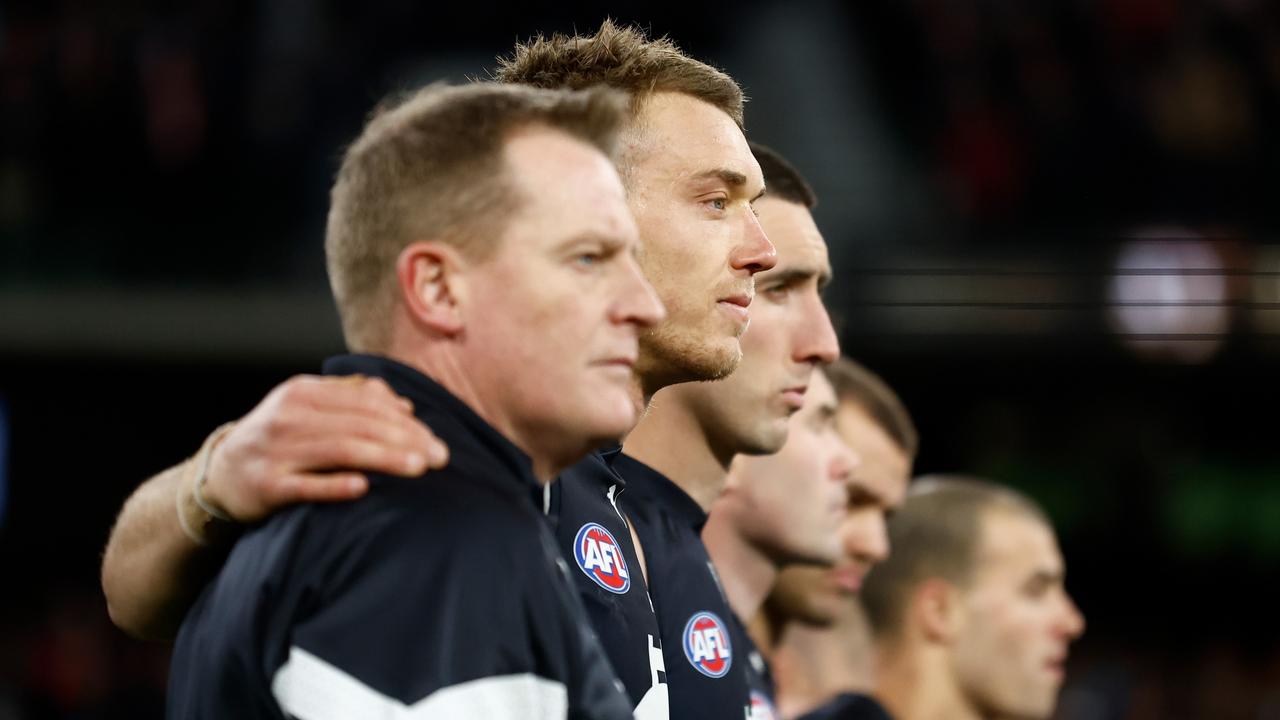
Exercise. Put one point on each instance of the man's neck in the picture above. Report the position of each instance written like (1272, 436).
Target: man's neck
(814, 664)
(916, 683)
(670, 439)
(746, 572)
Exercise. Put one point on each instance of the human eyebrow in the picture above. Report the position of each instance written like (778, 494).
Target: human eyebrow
(732, 178)
(607, 242)
(1044, 579)
(793, 276)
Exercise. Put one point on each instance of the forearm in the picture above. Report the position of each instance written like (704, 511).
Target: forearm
(308, 441)
(152, 571)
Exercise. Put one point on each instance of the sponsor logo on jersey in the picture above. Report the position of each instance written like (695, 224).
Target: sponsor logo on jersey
(706, 644)
(600, 557)
(761, 708)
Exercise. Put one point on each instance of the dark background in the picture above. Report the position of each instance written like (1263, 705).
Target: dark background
(1053, 226)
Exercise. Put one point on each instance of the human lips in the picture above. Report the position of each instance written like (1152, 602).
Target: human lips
(736, 305)
(622, 362)
(1056, 665)
(848, 578)
(794, 396)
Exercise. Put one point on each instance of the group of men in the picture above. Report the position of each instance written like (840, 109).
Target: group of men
(594, 453)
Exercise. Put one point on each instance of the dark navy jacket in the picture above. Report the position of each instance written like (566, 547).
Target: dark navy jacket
(764, 705)
(444, 595)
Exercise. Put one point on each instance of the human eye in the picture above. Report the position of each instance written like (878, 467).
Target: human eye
(775, 292)
(589, 258)
(1038, 587)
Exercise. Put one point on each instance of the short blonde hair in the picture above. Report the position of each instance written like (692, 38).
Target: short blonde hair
(937, 533)
(623, 58)
(430, 165)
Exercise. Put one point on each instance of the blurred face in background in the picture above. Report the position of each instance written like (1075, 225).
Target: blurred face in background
(877, 485)
(1015, 620)
(790, 503)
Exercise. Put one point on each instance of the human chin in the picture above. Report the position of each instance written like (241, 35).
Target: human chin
(769, 436)
(685, 355)
(611, 409)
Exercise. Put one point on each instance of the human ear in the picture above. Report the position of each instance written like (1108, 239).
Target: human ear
(937, 609)
(432, 283)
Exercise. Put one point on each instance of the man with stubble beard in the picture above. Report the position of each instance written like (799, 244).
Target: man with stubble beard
(462, 253)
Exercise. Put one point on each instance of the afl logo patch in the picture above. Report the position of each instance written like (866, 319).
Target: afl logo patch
(706, 644)
(599, 556)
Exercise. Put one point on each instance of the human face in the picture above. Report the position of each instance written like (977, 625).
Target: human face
(790, 335)
(553, 315)
(1016, 620)
(790, 503)
(877, 486)
(692, 180)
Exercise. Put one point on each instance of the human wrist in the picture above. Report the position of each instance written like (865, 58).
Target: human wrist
(202, 520)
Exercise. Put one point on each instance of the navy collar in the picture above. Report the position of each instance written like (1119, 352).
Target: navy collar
(657, 489)
(452, 420)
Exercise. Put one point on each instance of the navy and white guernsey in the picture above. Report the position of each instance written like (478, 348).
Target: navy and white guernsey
(596, 542)
(850, 706)
(442, 596)
(705, 671)
(760, 686)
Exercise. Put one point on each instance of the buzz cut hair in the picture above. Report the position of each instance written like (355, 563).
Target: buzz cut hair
(937, 533)
(431, 165)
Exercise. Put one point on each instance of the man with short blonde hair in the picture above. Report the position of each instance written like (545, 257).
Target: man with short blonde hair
(513, 334)
(428, 167)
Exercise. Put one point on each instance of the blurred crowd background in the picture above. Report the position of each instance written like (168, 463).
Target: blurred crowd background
(1053, 226)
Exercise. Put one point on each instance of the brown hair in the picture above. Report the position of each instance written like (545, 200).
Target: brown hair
(623, 58)
(430, 165)
(781, 177)
(935, 534)
(855, 383)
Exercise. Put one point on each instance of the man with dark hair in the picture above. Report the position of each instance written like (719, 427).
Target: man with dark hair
(970, 615)
(822, 657)
(790, 541)
(777, 510)
(461, 254)
(691, 182)
(782, 178)
(876, 425)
